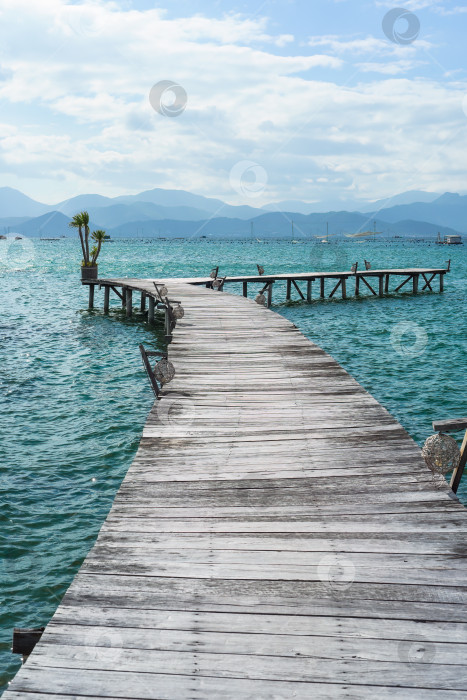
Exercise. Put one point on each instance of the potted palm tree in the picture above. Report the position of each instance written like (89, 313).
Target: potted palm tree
(89, 262)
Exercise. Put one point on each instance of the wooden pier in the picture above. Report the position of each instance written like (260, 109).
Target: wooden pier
(378, 282)
(278, 535)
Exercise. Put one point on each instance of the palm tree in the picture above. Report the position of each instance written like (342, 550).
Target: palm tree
(81, 221)
(77, 222)
(85, 218)
(99, 237)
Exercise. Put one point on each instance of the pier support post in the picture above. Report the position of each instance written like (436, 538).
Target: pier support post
(270, 294)
(106, 299)
(441, 282)
(357, 285)
(129, 302)
(381, 285)
(245, 289)
(289, 288)
(143, 301)
(321, 287)
(386, 284)
(344, 291)
(151, 308)
(123, 297)
(308, 290)
(415, 284)
(91, 296)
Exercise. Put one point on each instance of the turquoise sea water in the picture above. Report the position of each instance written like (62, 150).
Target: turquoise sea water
(74, 396)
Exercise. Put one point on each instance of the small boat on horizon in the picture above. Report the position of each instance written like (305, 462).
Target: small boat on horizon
(450, 239)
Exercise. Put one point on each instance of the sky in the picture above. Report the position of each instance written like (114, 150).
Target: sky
(324, 101)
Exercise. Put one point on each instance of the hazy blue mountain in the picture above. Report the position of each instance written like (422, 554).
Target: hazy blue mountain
(447, 210)
(51, 224)
(410, 197)
(81, 202)
(305, 208)
(117, 214)
(181, 198)
(271, 225)
(8, 224)
(15, 203)
(173, 204)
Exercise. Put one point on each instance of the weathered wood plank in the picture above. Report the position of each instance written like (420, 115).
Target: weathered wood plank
(278, 534)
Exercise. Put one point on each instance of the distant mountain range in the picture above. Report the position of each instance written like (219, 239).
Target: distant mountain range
(166, 213)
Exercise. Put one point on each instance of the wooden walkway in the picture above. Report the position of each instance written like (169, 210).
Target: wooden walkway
(277, 536)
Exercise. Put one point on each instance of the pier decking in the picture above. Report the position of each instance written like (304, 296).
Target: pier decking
(278, 535)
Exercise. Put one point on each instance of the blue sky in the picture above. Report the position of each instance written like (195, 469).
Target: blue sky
(285, 99)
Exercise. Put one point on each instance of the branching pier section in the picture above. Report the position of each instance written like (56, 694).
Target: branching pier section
(376, 282)
(277, 536)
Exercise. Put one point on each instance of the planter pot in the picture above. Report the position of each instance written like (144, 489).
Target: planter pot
(88, 273)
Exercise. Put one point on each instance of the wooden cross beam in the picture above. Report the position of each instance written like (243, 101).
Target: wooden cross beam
(428, 282)
(452, 426)
(339, 282)
(368, 285)
(405, 282)
(298, 289)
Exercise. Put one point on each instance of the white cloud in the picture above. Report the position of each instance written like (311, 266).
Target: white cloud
(77, 79)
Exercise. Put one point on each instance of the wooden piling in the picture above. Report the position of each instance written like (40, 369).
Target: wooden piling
(441, 282)
(106, 299)
(91, 296)
(386, 284)
(357, 285)
(151, 309)
(415, 284)
(245, 289)
(270, 294)
(143, 302)
(308, 290)
(289, 290)
(321, 287)
(344, 291)
(381, 285)
(129, 302)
